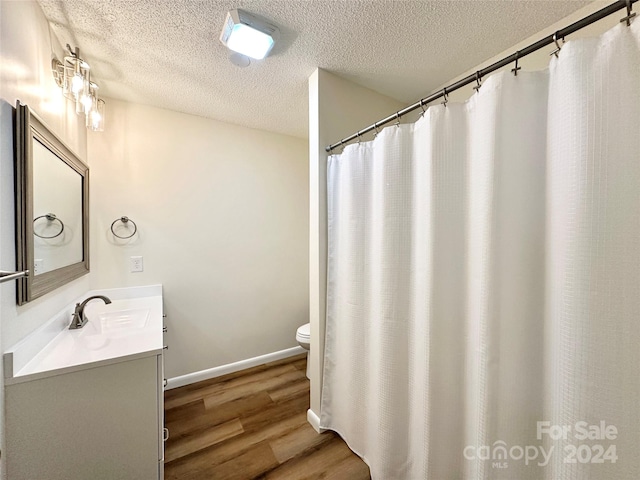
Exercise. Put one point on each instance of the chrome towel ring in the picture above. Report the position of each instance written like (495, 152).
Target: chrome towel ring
(125, 221)
(51, 217)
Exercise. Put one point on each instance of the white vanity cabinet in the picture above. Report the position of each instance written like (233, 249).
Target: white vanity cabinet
(99, 416)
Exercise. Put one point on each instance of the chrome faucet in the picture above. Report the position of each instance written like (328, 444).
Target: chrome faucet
(79, 320)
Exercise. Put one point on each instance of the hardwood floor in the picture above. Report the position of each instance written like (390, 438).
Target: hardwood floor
(252, 425)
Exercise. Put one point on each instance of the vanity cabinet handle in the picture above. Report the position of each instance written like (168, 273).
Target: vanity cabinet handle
(164, 315)
(165, 434)
(166, 347)
(164, 329)
(165, 382)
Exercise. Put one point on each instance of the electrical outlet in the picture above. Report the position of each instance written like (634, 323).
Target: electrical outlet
(136, 264)
(38, 265)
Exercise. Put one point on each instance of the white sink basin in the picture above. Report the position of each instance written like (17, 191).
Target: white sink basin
(123, 320)
(103, 326)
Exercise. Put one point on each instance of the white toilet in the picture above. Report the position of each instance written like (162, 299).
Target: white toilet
(303, 337)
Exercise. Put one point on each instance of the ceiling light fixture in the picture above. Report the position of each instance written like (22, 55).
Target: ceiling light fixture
(247, 34)
(74, 77)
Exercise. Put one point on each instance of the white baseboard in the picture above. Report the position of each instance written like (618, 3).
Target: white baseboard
(314, 420)
(194, 377)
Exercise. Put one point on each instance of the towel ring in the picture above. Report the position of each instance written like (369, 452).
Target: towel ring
(124, 220)
(51, 217)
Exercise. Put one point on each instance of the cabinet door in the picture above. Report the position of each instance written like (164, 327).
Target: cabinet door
(160, 402)
(98, 424)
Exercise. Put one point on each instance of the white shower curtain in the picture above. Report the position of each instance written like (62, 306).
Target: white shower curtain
(484, 279)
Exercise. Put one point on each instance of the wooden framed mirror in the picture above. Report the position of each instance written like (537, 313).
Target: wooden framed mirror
(52, 209)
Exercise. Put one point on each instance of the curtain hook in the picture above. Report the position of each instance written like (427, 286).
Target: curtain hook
(558, 47)
(630, 15)
(375, 127)
(397, 119)
(516, 68)
(342, 145)
(478, 81)
(446, 97)
(359, 139)
(422, 107)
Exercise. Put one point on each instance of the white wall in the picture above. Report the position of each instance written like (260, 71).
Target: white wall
(25, 75)
(337, 108)
(222, 215)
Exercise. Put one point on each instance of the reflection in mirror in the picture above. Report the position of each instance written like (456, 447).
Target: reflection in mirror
(52, 209)
(57, 225)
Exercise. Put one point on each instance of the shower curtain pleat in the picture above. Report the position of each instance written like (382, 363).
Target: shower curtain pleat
(593, 246)
(484, 275)
(505, 285)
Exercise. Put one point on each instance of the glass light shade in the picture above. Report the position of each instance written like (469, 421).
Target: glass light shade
(95, 116)
(77, 84)
(84, 103)
(86, 98)
(68, 73)
(75, 75)
(249, 41)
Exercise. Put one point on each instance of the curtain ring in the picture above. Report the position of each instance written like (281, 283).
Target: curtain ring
(397, 119)
(630, 15)
(422, 107)
(558, 47)
(359, 139)
(446, 97)
(516, 68)
(478, 81)
(375, 127)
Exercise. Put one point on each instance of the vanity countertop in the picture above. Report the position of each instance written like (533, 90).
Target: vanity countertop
(130, 327)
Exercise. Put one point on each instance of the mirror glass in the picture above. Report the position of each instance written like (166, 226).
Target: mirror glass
(57, 212)
(52, 209)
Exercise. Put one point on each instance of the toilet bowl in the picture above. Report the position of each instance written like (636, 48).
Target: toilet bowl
(303, 337)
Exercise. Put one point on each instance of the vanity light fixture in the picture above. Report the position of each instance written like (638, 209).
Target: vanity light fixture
(247, 34)
(73, 75)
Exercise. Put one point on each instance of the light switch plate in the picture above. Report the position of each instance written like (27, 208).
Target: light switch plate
(38, 265)
(136, 264)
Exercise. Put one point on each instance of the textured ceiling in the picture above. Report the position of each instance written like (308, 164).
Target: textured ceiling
(166, 53)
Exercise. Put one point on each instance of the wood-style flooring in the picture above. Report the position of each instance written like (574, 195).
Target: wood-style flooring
(252, 425)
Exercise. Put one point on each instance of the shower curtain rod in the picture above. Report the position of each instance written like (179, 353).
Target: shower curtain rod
(477, 77)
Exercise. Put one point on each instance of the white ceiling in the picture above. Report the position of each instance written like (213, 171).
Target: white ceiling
(166, 53)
